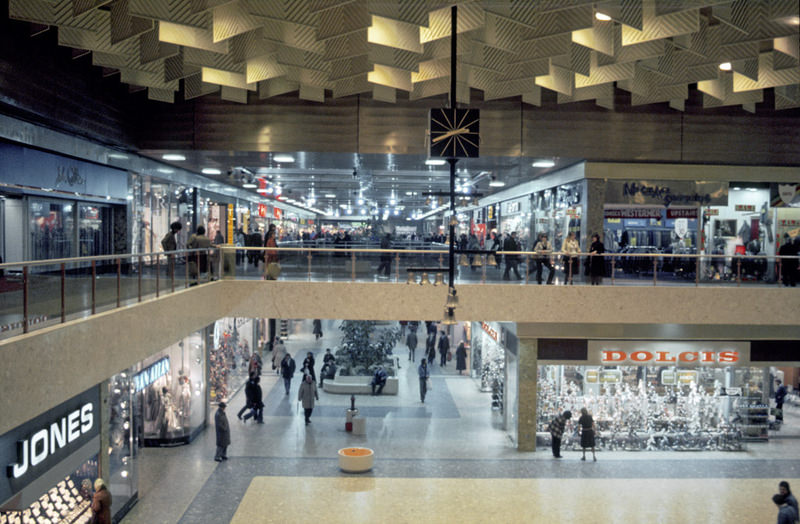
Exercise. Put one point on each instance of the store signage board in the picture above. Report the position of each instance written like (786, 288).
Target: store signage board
(30, 450)
(746, 208)
(667, 192)
(670, 353)
(668, 377)
(632, 212)
(150, 374)
(711, 212)
(490, 331)
(682, 212)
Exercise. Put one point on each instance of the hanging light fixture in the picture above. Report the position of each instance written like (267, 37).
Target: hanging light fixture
(449, 316)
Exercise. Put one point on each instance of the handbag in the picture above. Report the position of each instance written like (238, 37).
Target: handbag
(428, 384)
(449, 356)
(273, 271)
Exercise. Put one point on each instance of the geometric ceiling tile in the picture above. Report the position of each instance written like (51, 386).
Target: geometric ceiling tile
(427, 88)
(588, 93)
(603, 74)
(37, 11)
(544, 47)
(559, 22)
(470, 16)
(661, 94)
(351, 86)
(487, 57)
(190, 37)
(295, 11)
(263, 68)
(718, 88)
(432, 69)
(384, 94)
(155, 9)
(559, 80)
(123, 25)
(749, 107)
(232, 19)
(142, 78)
(393, 33)
(226, 78)
(578, 60)
(628, 12)
(347, 67)
(161, 95)
(786, 51)
(633, 52)
(292, 56)
(291, 34)
(311, 93)
(391, 77)
(533, 97)
(600, 37)
(756, 20)
(175, 68)
(528, 69)
(500, 32)
(198, 57)
(678, 104)
(787, 97)
(393, 57)
(151, 48)
(346, 46)
(767, 76)
(343, 19)
(658, 27)
(252, 44)
(275, 87)
(175, 11)
(233, 94)
(310, 77)
(508, 88)
(412, 12)
(747, 67)
(734, 99)
(81, 6)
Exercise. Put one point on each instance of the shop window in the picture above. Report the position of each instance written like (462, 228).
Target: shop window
(51, 229)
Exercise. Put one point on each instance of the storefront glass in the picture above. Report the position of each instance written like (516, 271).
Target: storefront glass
(51, 228)
(155, 205)
(94, 223)
(123, 472)
(229, 357)
(657, 407)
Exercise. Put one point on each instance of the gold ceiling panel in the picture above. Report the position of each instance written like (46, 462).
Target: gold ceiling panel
(656, 49)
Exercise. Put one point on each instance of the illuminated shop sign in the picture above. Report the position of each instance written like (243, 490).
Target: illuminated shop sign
(668, 353)
(150, 374)
(667, 192)
(490, 331)
(32, 449)
(632, 212)
(682, 213)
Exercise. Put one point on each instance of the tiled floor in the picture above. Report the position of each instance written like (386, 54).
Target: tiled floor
(444, 461)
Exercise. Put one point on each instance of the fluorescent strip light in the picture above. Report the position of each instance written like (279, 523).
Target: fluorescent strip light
(435, 162)
(249, 185)
(118, 156)
(543, 163)
(330, 195)
(174, 157)
(497, 183)
(602, 16)
(726, 66)
(283, 159)
(211, 171)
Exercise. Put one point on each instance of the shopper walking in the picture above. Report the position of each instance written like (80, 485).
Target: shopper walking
(788, 265)
(248, 395)
(386, 258)
(424, 375)
(509, 247)
(597, 264)
(278, 352)
(101, 503)
(780, 396)
(198, 260)
(307, 394)
(461, 357)
(308, 366)
(317, 329)
(430, 348)
(223, 432)
(786, 513)
(557, 430)
(287, 371)
(256, 401)
(571, 248)
(444, 349)
(543, 250)
(586, 423)
(411, 342)
(783, 489)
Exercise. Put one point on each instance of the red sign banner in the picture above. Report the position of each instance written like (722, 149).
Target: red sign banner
(682, 213)
(262, 210)
(277, 213)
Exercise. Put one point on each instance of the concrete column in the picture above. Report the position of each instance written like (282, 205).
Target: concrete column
(526, 400)
(593, 204)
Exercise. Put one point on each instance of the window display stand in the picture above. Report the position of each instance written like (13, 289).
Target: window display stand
(752, 419)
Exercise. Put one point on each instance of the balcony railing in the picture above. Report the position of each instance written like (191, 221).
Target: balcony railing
(41, 293)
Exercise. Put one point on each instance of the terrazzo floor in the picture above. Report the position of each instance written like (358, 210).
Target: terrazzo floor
(447, 460)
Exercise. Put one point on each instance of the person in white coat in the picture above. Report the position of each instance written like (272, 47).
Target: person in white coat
(307, 395)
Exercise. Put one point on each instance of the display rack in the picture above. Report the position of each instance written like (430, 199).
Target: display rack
(752, 419)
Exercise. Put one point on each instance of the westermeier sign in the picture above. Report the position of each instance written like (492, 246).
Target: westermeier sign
(34, 448)
(681, 354)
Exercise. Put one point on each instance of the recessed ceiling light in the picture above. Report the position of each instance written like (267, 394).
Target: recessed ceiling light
(602, 16)
(737, 188)
(543, 163)
(435, 162)
(726, 66)
(174, 157)
(284, 159)
(330, 195)
(249, 185)
(752, 189)
(497, 183)
(211, 171)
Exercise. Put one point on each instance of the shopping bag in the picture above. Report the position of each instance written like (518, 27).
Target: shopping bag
(273, 271)
(449, 356)
(428, 384)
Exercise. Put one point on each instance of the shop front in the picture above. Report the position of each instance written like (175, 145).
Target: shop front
(494, 360)
(649, 395)
(229, 356)
(52, 462)
(515, 216)
(59, 207)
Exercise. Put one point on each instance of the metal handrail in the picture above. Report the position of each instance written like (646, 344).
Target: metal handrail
(74, 260)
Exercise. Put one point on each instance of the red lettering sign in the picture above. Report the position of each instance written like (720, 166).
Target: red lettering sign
(262, 210)
(489, 331)
(664, 357)
(682, 213)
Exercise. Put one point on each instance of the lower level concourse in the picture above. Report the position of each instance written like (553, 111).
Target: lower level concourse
(448, 459)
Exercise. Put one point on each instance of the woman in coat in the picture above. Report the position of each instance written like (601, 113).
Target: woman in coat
(317, 332)
(101, 503)
(278, 351)
(461, 357)
(597, 265)
(308, 366)
(307, 394)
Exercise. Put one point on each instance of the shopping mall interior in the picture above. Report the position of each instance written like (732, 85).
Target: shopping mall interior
(583, 207)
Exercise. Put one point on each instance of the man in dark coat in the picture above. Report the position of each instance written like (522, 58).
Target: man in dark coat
(557, 430)
(287, 371)
(254, 397)
(444, 348)
(223, 433)
(780, 396)
(788, 266)
(378, 380)
(411, 342)
(511, 244)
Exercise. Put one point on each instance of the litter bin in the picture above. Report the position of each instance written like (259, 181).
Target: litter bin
(359, 426)
(349, 416)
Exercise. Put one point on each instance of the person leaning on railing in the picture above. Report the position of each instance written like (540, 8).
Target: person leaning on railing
(597, 264)
(571, 247)
(198, 241)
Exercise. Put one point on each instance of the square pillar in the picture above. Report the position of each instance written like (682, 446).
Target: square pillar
(526, 400)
